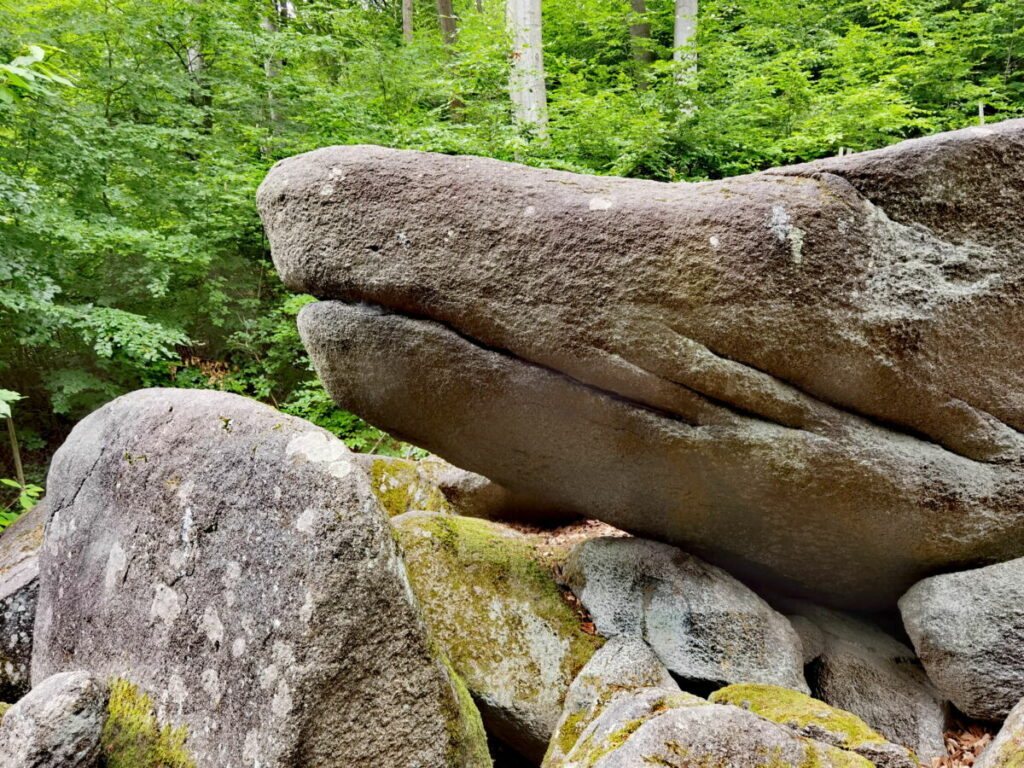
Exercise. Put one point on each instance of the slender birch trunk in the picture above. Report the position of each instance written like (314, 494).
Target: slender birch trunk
(526, 80)
(684, 40)
(407, 20)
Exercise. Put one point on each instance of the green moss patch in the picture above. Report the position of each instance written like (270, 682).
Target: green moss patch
(495, 608)
(798, 710)
(132, 737)
(398, 486)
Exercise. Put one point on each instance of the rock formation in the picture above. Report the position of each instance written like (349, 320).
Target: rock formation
(704, 625)
(968, 629)
(58, 725)
(858, 667)
(811, 376)
(501, 619)
(233, 564)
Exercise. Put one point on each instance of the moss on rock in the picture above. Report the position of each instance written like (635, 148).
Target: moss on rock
(500, 617)
(400, 488)
(132, 736)
(799, 711)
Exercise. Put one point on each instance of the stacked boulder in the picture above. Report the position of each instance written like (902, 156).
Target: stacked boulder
(799, 393)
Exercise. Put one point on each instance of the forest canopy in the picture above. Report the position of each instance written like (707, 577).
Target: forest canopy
(133, 134)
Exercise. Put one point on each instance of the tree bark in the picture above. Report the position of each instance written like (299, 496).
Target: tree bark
(684, 40)
(407, 20)
(446, 15)
(640, 33)
(526, 80)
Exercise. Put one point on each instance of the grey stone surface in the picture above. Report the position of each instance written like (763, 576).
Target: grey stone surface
(494, 606)
(19, 589)
(233, 563)
(1007, 749)
(862, 669)
(624, 681)
(968, 630)
(810, 375)
(477, 496)
(703, 624)
(815, 719)
(713, 735)
(56, 725)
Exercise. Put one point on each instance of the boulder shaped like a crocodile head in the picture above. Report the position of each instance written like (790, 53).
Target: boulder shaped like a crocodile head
(812, 375)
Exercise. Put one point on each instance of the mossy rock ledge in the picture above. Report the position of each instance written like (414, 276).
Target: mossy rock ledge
(815, 719)
(624, 711)
(502, 620)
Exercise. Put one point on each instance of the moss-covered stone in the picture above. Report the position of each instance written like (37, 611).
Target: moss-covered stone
(501, 619)
(132, 736)
(798, 710)
(400, 487)
(4, 706)
(465, 726)
(810, 717)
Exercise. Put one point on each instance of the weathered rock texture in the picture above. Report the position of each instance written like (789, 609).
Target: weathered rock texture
(704, 625)
(1007, 749)
(19, 589)
(624, 711)
(624, 676)
(968, 629)
(811, 374)
(57, 725)
(857, 667)
(501, 618)
(233, 563)
(817, 720)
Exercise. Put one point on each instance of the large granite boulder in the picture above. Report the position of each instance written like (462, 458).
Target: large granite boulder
(856, 666)
(705, 626)
(968, 629)
(496, 610)
(809, 375)
(233, 564)
(59, 724)
(19, 589)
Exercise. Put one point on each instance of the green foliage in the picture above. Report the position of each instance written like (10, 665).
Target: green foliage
(28, 74)
(130, 250)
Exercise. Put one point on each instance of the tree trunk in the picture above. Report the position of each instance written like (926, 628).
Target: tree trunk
(640, 33)
(526, 80)
(446, 15)
(407, 20)
(684, 41)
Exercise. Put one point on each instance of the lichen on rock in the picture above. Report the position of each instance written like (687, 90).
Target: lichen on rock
(400, 486)
(815, 719)
(501, 618)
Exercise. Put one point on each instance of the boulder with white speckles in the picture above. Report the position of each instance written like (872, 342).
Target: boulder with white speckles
(233, 564)
(811, 376)
(19, 589)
